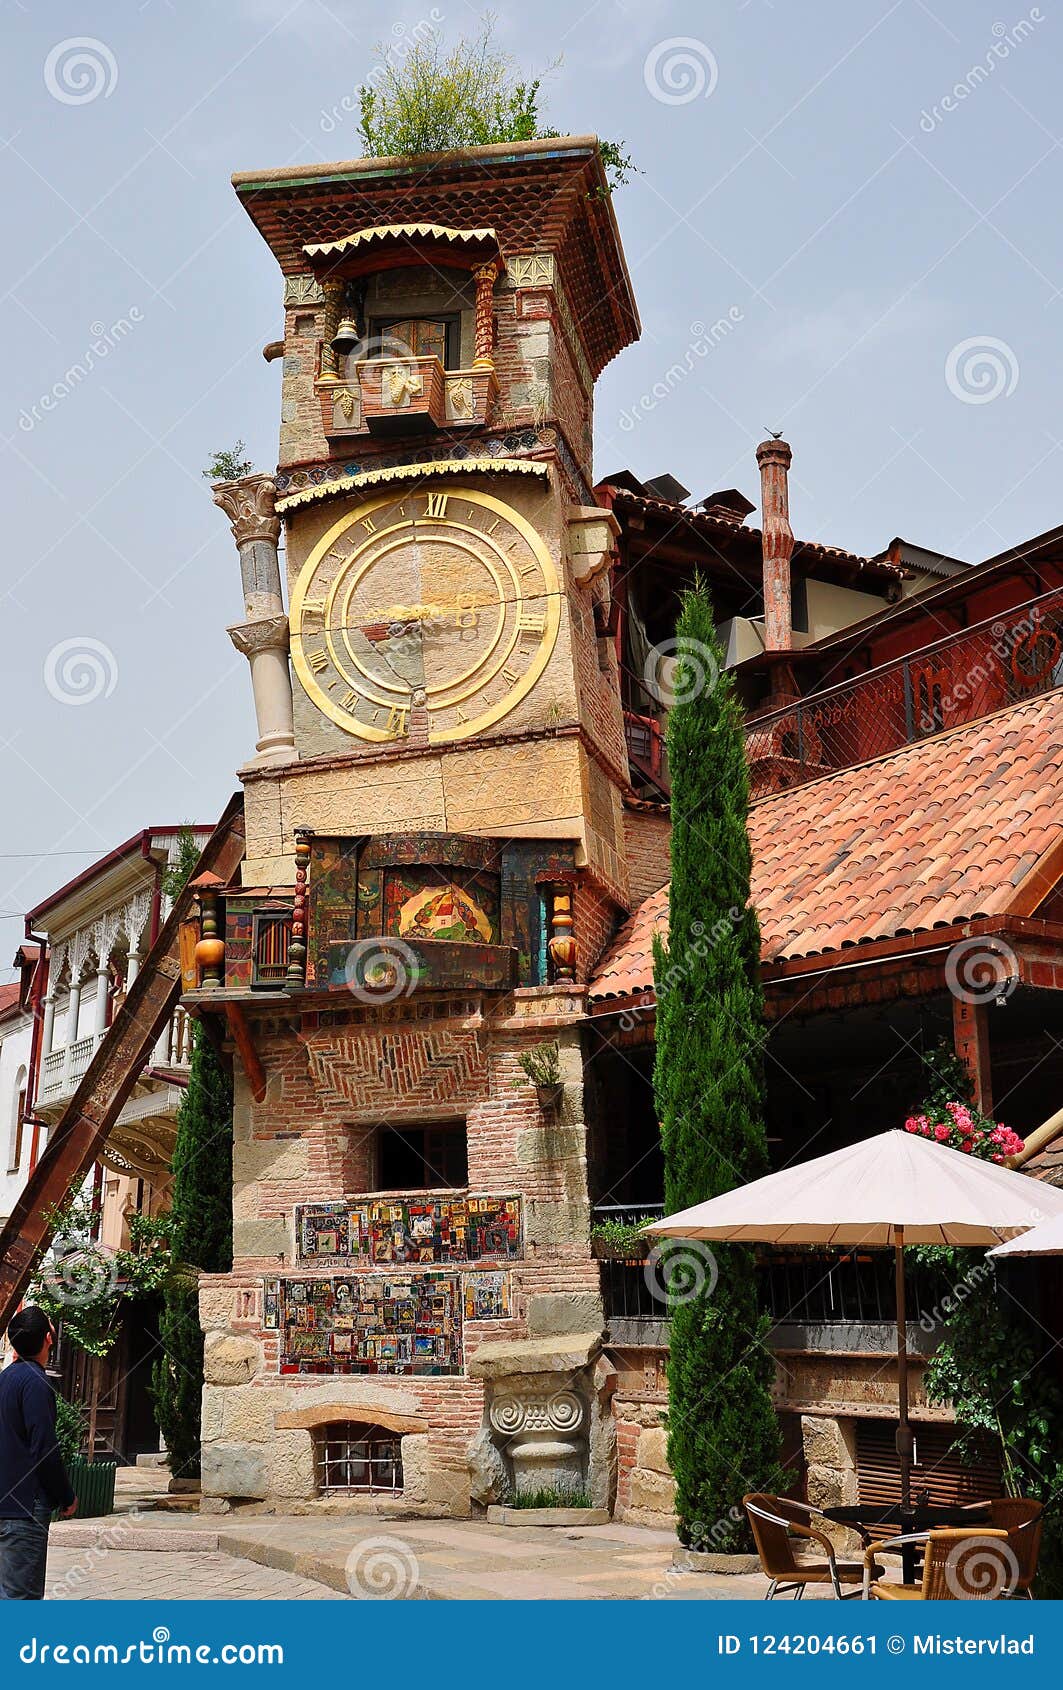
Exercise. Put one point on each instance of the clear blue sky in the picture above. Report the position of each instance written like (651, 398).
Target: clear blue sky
(862, 240)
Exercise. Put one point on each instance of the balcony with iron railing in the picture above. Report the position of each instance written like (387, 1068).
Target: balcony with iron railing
(1005, 660)
(828, 1300)
(1013, 657)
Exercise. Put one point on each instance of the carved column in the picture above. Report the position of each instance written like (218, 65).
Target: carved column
(296, 974)
(543, 1436)
(263, 638)
(484, 358)
(562, 942)
(332, 293)
(210, 952)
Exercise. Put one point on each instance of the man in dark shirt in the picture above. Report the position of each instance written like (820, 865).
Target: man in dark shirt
(33, 1479)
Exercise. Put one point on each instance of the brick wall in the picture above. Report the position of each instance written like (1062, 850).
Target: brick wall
(330, 1089)
(646, 840)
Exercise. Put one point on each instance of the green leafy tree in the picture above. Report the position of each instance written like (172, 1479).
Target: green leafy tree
(423, 99)
(723, 1437)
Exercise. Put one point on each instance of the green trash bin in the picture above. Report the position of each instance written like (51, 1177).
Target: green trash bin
(94, 1483)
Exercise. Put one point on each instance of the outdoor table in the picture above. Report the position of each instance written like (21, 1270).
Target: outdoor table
(869, 1520)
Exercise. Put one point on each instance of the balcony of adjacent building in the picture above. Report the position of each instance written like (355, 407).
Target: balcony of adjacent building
(78, 1011)
(1001, 661)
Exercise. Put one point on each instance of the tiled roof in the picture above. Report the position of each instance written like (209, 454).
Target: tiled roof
(937, 833)
(9, 998)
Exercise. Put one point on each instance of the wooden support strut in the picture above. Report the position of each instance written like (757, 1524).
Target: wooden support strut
(82, 1129)
(245, 1047)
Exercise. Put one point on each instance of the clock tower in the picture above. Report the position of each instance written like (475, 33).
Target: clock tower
(434, 841)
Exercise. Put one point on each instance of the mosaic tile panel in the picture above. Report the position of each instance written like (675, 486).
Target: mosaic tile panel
(372, 1323)
(407, 1230)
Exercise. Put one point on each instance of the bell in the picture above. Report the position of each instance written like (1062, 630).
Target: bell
(346, 337)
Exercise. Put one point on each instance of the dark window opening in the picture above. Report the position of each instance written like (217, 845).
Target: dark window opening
(423, 1158)
(350, 1456)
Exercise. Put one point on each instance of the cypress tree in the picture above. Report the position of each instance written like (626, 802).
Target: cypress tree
(201, 1221)
(723, 1437)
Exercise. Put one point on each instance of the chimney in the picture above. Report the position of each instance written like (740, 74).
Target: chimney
(774, 457)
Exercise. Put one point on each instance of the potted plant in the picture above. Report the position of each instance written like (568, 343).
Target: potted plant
(542, 1064)
(621, 1241)
(93, 1481)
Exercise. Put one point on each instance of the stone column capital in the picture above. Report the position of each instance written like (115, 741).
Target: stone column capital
(266, 633)
(248, 504)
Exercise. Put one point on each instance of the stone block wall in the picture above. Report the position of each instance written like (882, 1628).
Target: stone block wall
(645, 1486)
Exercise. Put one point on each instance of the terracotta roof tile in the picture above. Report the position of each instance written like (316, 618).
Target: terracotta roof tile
(934, 834)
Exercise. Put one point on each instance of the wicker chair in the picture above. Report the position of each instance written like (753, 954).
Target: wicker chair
(960, 1564)
(1022, 1519)
(776, 1521)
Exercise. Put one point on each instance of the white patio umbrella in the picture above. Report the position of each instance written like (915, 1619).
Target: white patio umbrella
(1045, 1239)
(890, 1190)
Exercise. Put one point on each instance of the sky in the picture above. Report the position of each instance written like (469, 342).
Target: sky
(845, 225)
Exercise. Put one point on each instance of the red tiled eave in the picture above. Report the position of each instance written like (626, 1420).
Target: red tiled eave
(908, 847)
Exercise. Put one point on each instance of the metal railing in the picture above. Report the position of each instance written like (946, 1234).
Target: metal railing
(1002, 661)
(809, 1288)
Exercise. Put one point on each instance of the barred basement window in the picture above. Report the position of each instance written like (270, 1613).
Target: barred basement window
(271, 937)
(351, 1456)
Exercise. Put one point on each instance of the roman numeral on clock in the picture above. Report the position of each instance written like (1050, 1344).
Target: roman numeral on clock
(318, 660)
(437, 505)
(529, 623)
(398, 722)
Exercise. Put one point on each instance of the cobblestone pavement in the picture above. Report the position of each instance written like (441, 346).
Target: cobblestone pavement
(114, 1575)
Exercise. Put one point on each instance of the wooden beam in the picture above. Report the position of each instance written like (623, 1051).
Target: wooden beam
(83, 1128)
(245, 1046)
(970, 1029)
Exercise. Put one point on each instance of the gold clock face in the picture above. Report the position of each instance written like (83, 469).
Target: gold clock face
(437, 608)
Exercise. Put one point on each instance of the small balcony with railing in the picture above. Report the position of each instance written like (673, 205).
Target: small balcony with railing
(65, 1065)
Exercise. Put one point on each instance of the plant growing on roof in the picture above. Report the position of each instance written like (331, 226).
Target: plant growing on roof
(230, 465)
(422, 99)
(723, 1438)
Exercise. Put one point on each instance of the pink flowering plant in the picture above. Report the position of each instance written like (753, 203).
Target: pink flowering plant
(952, 1119)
